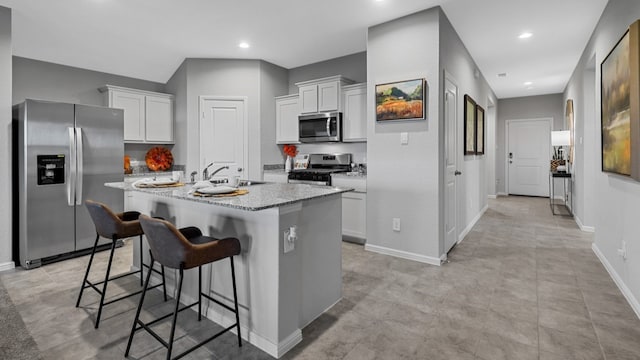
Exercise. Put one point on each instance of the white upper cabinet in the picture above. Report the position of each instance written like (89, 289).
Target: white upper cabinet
(287, 111)
(354, 123)
(148, 116)
(321, 95)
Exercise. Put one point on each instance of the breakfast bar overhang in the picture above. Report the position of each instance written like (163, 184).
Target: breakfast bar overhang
(279, 292)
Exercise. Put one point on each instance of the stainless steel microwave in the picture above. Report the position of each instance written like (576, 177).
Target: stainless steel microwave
(321, 127)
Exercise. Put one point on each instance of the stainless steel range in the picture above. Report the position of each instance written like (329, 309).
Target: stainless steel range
(320, 168)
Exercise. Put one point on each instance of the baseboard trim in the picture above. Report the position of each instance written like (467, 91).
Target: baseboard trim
(472, 224)
(403, 254)
(582, 226)
(492, 196)
(633, 302)
(502, 194)
(7, 266)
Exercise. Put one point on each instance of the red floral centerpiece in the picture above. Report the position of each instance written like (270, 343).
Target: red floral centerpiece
(291, 151)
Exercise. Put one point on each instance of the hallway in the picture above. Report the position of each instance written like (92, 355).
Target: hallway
(522, 285)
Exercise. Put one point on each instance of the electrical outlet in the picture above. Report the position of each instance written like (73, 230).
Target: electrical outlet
(396, 224)
(623, 251)
(289, 239)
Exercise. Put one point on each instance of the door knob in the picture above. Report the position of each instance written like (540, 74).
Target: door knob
(239, 169)
(456, 173)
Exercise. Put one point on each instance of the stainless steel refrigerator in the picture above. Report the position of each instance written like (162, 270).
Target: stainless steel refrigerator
(63, 154)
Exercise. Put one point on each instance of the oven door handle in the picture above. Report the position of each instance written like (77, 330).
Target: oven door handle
(308, 182)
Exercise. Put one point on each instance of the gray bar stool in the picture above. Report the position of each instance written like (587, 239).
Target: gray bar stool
(114, 226)
(185, 249)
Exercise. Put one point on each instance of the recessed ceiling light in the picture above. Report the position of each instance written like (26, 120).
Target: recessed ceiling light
(525, 35)
(244, 45)
(528, 83)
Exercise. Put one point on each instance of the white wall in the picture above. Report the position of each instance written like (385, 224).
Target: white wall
(403, 181)
(5, 139)
(471, 185)
(616, 199)
(273, 82)
(530, 107)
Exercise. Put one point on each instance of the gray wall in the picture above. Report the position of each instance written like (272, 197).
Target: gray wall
(177, 85)
(273, 82)
(403, 181)
(256, 80)
(5, 139)
(47, 81)
(614, 200)
(352, 67)
(530, 107)
(471, 187)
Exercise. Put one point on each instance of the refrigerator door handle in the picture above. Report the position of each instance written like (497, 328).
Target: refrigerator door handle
(80, 163)
(71, 179)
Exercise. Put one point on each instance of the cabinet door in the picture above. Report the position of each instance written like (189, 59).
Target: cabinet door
(134, 113)
(159, 119)
(328, 96)
(355, 115)
(308, 98)
(354, 214)
(287, 111)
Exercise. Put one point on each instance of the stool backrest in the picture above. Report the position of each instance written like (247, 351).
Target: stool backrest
(106, 221)
(168, 246)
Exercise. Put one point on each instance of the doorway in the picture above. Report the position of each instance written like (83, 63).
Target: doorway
(451, 162)
(223, 134)
(528, 155)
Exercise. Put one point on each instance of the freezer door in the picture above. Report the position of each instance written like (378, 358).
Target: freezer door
(46, 220)
(99, 133)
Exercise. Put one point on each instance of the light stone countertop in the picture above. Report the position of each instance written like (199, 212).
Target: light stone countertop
(260, 197)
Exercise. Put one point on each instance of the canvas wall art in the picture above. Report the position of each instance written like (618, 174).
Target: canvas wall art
(402, 100)
(616, 109)
(479, 130)
(469, 125)
(571, 127)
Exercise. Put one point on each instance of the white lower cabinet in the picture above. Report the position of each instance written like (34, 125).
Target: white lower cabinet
(354, 215)
(275, 177)
(354, 206)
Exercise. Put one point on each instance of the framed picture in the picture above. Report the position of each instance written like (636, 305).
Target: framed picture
(402, 100)
(469, 125)
(616, 98)
(570, 126)
(479, 130)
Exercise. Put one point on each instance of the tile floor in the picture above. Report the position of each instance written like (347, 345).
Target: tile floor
(522, 285)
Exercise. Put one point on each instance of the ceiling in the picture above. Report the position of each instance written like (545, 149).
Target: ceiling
(149, 39)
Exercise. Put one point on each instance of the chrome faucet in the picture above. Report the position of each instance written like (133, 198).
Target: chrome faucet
(205, 172)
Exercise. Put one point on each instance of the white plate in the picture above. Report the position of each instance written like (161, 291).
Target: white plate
(159, 181)
(216, 190)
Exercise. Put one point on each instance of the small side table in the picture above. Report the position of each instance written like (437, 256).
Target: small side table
(566, 177)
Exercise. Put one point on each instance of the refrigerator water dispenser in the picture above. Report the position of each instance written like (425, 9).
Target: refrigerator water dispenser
(50, 169)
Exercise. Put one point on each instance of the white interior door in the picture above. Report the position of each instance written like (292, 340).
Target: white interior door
(528, 150)
(451, 162)
(223, 135)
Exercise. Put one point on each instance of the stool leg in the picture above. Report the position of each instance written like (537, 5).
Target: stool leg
(135, 321)
(164, 283)
(86, 274)
(106, 279)
(141, 264)
(175, 314)
(235, 301)
(199, 293)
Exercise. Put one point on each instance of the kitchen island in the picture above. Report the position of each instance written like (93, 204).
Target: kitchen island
(278, 292)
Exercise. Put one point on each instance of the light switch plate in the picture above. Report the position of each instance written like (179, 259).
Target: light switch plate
(404, 138)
